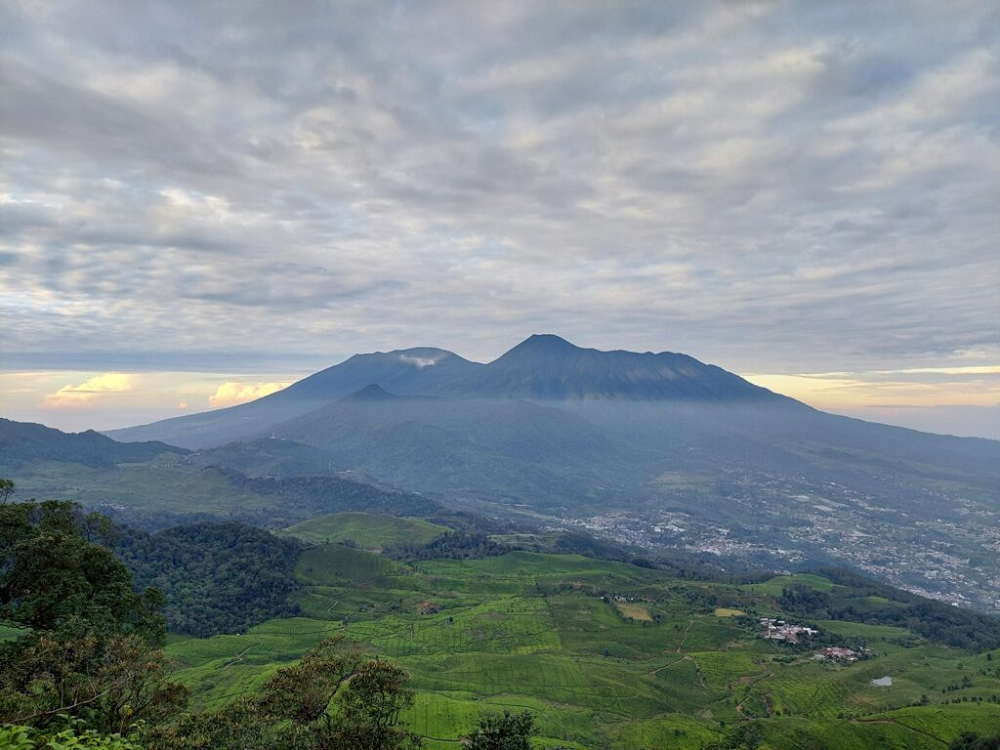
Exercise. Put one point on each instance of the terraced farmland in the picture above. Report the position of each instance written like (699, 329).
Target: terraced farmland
(550, 633)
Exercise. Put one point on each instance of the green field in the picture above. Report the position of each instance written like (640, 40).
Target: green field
(135, 487)
(548, 633)
(8, 633)
(366, 530)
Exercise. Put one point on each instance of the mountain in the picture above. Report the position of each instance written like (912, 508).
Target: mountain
(547, 367)
(25, 441)
(543, 367)
(403, 371)
(661, 450)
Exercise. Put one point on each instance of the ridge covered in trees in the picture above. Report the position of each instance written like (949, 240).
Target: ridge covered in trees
(216, 577)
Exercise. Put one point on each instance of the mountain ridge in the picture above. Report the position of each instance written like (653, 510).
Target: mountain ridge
(543, 367)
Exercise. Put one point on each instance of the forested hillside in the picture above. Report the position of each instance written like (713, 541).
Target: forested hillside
(216, 577)
(21, 441)
(82, 665)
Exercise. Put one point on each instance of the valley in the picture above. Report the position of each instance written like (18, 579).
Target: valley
(773, 526)
(677, 665)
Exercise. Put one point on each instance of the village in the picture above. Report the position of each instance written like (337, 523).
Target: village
(779, 630)
(786, 632)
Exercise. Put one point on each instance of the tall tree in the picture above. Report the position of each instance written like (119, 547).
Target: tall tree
(90, 644)
(333, 699)
(507, 731)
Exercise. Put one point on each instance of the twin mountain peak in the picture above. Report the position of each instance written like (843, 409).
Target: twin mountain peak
(542, 367)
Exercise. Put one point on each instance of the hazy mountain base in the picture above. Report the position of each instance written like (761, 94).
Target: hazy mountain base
(777, 485)
(613, 655)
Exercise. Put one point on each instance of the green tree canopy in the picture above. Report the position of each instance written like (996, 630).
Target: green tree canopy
(972, 741)
(90, 644)
(508, 731)
(333, 699)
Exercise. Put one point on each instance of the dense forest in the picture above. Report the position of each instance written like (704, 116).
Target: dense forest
(451, 546)
(216, 577)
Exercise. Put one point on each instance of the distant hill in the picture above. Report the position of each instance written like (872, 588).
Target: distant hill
(25, 441)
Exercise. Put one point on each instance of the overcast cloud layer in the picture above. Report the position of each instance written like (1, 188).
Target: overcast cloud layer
(775, 187)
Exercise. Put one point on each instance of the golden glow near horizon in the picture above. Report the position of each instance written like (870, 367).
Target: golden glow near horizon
(233, 393)
(80, 400)
(73, 396)
(912, 387)
(106, 400)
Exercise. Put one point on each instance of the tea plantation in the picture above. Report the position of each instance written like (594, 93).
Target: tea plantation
(605, 654)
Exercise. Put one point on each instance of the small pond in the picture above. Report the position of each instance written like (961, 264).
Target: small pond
(882, 681)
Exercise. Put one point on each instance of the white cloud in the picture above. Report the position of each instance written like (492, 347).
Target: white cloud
(87, 392)
(419, 362)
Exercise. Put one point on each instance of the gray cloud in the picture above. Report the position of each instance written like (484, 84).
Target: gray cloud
(771, 186)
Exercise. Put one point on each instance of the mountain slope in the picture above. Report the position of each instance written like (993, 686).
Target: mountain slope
(405, 371)
(543, 367)
(25, 441)
(473, 448)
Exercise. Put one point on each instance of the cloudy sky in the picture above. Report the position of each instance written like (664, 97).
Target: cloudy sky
(199, 205)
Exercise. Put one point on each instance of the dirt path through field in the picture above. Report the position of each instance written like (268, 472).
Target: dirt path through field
(239, 657)
(684, 636)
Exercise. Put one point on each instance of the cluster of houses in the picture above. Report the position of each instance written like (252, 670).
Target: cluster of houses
(779, 630)
(837, 653)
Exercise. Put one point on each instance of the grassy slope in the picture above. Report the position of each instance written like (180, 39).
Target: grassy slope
(144, 487)
(366, 530)
(533, 631)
